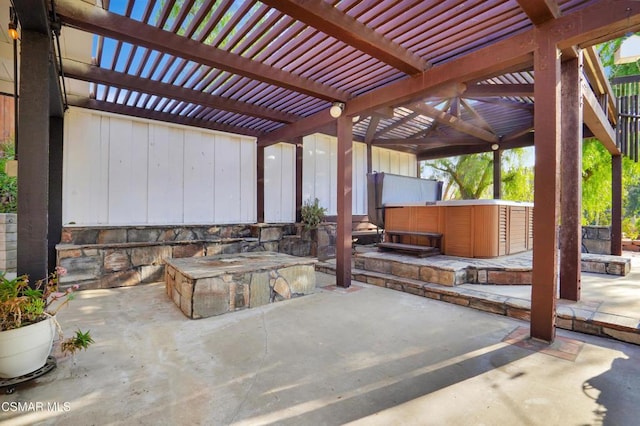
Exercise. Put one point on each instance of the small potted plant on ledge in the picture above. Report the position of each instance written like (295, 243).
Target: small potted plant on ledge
(28, 323)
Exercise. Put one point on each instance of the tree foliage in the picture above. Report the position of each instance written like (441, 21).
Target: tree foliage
(471, 176)
(8, 184)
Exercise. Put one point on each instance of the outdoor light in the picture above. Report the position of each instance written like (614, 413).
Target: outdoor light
(355, 118)
(336, 109)
(13, 24)
(13, 31)
(495, 147)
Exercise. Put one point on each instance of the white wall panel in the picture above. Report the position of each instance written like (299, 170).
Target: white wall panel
(158, 182)
(198, 178)
(227, 179)
(389, 161)
(249, 180)
(280, 183)
(359, 204)
(138, 209)
(120, 165)
(122, 170)
(84, 192)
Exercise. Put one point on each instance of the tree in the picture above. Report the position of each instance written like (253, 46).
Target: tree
(471, 176)
(466, 176)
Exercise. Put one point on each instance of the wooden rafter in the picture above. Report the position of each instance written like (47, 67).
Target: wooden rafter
(328, 19)
(589, 25)
(91, 73)
(83, 16)
(476, 115)
(450, 151)
(159, 116)
(515, 90)
(540, 11)
(454, 122)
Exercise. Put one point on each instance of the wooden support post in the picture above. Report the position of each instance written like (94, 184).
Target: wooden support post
(299, 157)
(571, 180)
(369, 158)
(33, 167)
(616, 205)
(56, 136)
(345, 170)
(546, 65)
(497, 174)
(260, 188)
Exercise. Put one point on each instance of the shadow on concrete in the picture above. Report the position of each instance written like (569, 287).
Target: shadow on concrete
(615, 391)
(365, 397)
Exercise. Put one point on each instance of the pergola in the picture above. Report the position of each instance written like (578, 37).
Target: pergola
(434, 78)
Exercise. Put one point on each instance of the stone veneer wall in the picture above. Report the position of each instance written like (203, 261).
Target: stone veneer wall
(596, 239)
(8, 242)
(110, 256)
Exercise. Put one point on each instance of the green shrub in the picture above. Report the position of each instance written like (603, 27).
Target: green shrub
(630, 227)
(312, 214)
(8, 184)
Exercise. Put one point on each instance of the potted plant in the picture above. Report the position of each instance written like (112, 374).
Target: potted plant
(28, 324)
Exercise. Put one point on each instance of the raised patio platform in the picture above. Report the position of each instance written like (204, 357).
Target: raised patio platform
(213, 285)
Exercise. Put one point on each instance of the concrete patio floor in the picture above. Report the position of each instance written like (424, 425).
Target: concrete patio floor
(369, 355)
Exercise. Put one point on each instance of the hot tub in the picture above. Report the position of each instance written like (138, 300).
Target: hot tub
(470, 228)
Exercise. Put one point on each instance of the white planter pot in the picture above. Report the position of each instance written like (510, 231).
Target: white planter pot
(25, 349)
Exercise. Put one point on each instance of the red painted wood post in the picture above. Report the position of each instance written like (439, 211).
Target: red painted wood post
(546, 65)
(571, 181)
(343, 237)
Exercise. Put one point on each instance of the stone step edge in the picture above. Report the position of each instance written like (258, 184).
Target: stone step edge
(134, 244)
(568, 316)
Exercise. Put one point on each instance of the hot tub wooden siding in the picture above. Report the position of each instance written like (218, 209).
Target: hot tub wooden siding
(484, 230)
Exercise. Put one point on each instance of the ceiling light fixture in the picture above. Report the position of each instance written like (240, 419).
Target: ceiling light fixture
(336, 109)
(495, 147)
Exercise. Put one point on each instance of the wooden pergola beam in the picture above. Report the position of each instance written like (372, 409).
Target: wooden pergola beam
(596, 119)
(91, 73)
(481, 90)
(159, 116)
(331, 21)
(81, 15)
(454, 122)
(451, 151)
(587, 26)
(540, 11)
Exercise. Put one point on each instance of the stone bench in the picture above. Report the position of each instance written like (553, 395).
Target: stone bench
(213, 285)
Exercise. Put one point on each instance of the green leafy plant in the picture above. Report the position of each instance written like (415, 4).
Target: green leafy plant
(22, 305)
(312, 214)
(8, 184)
(79, 341)
(631, 227)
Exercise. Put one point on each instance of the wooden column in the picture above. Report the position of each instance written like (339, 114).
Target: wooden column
(260, 187)
(299, 157)
(33, 167)
(616, 205)
(343, 237)
(571, 180)
(546, 67)
(497, 174)
(56, 135)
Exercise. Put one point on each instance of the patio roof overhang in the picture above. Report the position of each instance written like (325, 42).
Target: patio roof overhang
(416, 74)
(435, 78)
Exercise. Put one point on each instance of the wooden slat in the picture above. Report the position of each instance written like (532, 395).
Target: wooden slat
(335, 23)
(91, 18)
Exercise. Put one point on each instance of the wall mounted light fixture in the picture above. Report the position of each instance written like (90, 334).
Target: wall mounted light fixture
(13, 25)
(336, 109)
(495, 147)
